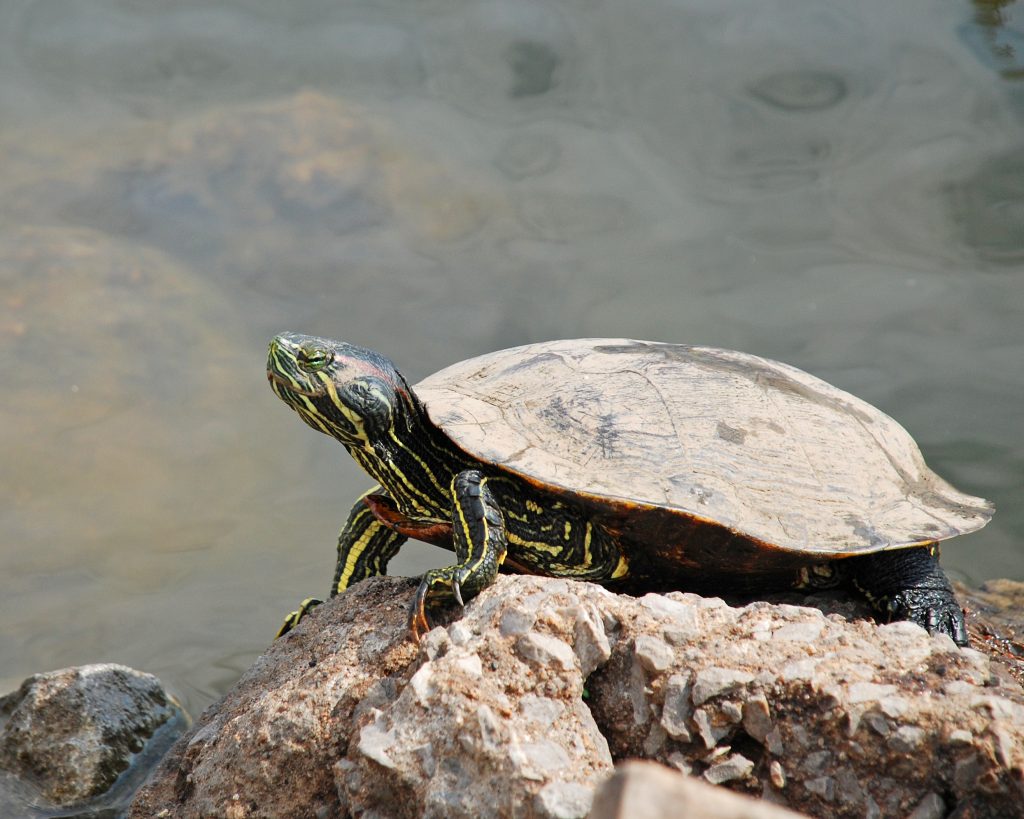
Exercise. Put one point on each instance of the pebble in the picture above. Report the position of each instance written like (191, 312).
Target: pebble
(709, 731)
(653, 653)
(677, 709)
(543, 649)
(375, 740)
(823, 786)
(469, 664)
(422, 684)
(736, 766)
(798, 670)
(757, 719)
(542, 710)
(714, 681)
(564, 800)
(894, 707)
(435, 643)
(931, 807)
(777, 774)
(865, 691)
(798, 632)
(907, 739)
(816, 762)
(590, 641)
(516, 621)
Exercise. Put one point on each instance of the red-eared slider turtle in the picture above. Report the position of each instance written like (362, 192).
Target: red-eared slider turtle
(638, 465)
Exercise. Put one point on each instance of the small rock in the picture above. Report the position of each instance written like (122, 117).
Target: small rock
(823, 786)
(542, 710)
(816, 762)
(715, 681)
(799, 632)
(564, 800)
(777, 774)
(906, 740)
(653, 653)
(877, 723)
(930, 807)
(677, 709)
(375, 739)
(422, 684)
(71, 733)
(894, 707)
(543, 649)
(736, 766)
(798, 670)
(646, 790)
(866, 691)
(435, 643)
(710, 730)
(590, 641)
(516, 621)
(469, 664)
(757, 719)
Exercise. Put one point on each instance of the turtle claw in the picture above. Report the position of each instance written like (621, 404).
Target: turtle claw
(419, 624)
(293, 618)
(457, 590)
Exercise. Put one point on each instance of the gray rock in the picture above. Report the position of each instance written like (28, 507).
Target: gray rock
(564, 800)
(543, 649)
(857, 722)
(757, 720)
(735, 767)
(677, 710)
(643, 790)
(70, 735)
(653, 652)
(714, 681)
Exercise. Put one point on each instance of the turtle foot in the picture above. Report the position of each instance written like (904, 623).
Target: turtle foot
(936, 610)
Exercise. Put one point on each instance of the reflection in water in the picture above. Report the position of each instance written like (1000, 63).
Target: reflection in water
(800, 90)
(988, 209)
(1003, 34)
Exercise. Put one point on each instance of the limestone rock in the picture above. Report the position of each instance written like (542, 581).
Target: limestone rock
(519, 707)
(67, 736)
(646, 790)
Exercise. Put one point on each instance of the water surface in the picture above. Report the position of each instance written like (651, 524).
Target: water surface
(836, 186)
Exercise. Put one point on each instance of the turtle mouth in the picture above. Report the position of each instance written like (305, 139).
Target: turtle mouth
(285, 386)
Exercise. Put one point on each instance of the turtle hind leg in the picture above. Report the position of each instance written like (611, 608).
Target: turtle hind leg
(909, 584)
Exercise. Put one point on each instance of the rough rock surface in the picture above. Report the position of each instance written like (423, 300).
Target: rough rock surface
(995, 620)
(68, 735)
(512, 710)
(647, 790)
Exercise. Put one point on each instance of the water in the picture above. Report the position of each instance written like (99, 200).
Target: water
(836, 186)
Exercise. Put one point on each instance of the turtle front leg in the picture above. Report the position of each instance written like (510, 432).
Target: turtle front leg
(909, 584)
(365, 546)
(478, 535)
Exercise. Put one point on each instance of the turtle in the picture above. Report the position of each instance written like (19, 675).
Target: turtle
(642, 466)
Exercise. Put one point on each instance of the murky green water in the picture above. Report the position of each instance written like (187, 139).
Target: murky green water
(840, 186)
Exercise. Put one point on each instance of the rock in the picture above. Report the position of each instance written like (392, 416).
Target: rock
(644, 790)
(520, 706)
(70, 735)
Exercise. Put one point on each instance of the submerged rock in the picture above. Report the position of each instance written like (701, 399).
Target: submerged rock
(521, 706)
(68, 736)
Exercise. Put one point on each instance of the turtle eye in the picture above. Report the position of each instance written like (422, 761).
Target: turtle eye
(313, 358)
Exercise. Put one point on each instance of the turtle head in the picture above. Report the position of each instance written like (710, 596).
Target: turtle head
(348, 392)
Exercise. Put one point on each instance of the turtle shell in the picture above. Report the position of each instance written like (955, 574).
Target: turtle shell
(727, 438)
